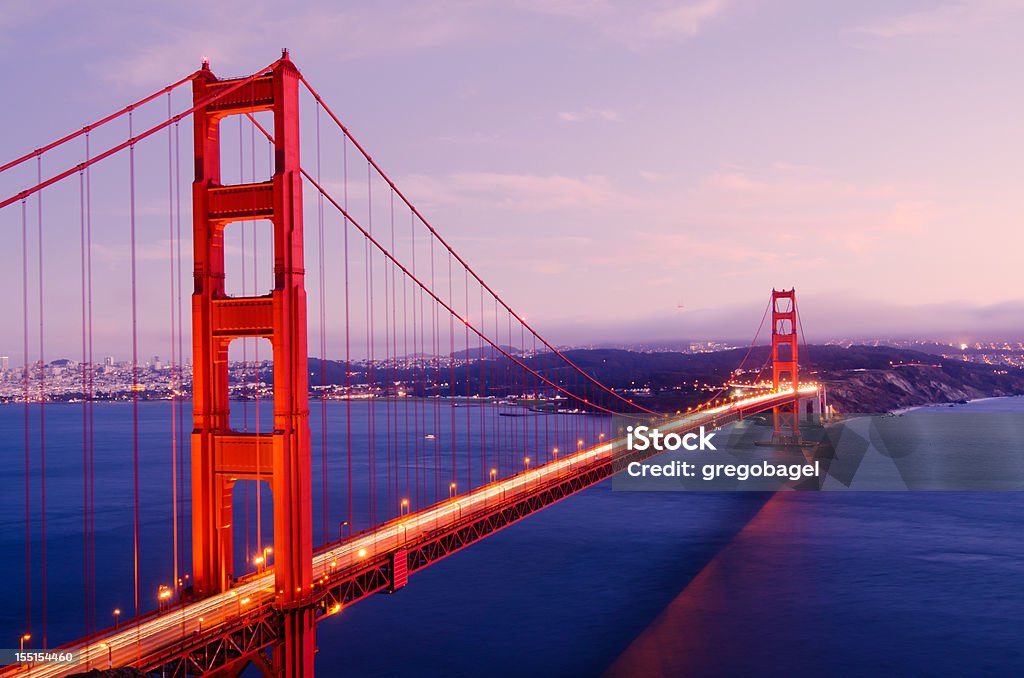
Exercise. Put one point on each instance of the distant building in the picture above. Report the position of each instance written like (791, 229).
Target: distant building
(109, 361)
(5, 363)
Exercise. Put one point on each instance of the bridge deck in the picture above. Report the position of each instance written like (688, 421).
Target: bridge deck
(189, 639)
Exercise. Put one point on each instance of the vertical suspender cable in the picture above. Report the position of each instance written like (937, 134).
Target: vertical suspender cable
(174, 355)
(496, 381)
(394, 356)
(180, 401)
(323, 338)
(135, 367)
(371, 420)
(409, 373)
(417, 372)
(42, 403)
(256, 393)
(85, 412)
(482, 391)
(388, 291)
(348, 347)
(451, 366)
(435, 351)
(26, 400)
(91, 473)
(466, 372)
(245, 344)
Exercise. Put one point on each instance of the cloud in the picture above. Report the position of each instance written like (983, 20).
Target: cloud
(527, 192)
(943, 19)
(602, 114)
(18, 14)
(827, 317)
(633, 24)
(469, 139)
(576, 9)
(157, 250)
(653, 177)
(778, 184)
(230, 32)
(804, 207)
(683, 20)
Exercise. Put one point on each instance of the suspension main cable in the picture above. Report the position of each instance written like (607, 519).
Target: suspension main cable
(372, 163)
(370, 239)
(136, 138)
(99, 123)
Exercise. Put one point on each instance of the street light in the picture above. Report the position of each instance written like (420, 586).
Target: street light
(117, 616)
(343, 526)
(451, 490)
(403, 508)
(555, 453)
(200, 626)
(494, 474)
(261, 560)
(526, 463)
(163, 595)
(24, 637)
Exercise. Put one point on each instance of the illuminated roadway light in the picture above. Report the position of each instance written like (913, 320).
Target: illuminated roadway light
(166, 629)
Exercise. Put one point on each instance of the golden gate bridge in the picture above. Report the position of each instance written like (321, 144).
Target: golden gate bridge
(474, 420)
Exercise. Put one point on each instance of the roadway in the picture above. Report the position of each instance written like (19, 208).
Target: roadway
(147, 635)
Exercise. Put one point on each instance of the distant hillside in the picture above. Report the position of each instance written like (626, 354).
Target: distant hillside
(488, 352)
(858, 378)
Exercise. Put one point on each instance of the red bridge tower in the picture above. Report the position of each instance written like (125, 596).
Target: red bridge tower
(220, 455)
(784, 366)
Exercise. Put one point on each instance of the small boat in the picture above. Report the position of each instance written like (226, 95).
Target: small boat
(429, 436)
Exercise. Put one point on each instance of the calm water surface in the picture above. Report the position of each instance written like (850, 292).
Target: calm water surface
(625, 583)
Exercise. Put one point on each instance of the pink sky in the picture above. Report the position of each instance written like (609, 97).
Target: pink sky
(602, 163)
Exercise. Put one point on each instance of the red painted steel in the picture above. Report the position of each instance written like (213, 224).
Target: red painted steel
(399, 569)
(389, 570)
(221, 456)
(284, 617)
(784, 365)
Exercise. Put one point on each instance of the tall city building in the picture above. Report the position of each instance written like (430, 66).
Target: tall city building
(5, 363)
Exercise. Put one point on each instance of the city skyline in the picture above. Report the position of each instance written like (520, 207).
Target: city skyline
(674, 161)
